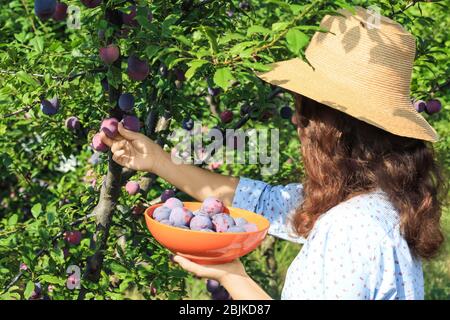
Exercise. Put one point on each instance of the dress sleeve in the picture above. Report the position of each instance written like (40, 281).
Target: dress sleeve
(275, 203)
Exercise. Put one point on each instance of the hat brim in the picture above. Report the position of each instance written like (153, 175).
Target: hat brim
(330, 89)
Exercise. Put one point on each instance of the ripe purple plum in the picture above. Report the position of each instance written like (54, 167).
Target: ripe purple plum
(188, 124)
(72, 237)
(220, 294)
(236, 229)
(173, 203)
(179, 75)
(200, 212)
(180, 216)
(50, 107)
(226, 116)
(250, 227)
(420, 105)
(60, 13)
(286, 112)
(222, 222)
(239, 221)
(137, 69)
(206, 230)
(91, 3)
(212, 285)
(132, 187)
(161, 213)
(72, 123)
(129, 18)
(98, 145)
(199, 222)
(211, 206)
(44, 9)
(110, 127)
(166, 221)
(169, 193)
(433, 106)
(109, 54)
(36, 294)
(131, 123)
(126, 102)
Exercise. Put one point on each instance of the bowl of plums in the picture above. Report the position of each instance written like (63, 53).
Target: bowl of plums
(206, 232)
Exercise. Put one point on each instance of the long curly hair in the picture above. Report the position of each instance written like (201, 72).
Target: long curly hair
(344, 157)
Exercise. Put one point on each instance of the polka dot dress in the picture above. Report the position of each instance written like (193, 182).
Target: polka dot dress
(355, 250)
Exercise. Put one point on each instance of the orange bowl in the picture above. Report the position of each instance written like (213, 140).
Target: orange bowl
(208, 247)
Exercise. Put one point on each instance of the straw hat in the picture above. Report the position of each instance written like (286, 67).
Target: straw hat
(360, 68)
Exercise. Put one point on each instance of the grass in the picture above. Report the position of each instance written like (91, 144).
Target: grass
(270, 273)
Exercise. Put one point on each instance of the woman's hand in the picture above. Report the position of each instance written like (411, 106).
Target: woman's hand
(217, 271)
(134, 150)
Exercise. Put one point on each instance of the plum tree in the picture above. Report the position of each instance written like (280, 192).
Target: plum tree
(44, 9)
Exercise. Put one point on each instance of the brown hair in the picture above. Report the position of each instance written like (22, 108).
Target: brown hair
(344, 157)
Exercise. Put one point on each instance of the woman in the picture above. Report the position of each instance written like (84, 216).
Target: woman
(369, 207)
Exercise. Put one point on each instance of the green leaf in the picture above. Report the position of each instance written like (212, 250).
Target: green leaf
(194, 65)
(296, 40)
(258, 29)
(223, 77)
(212, 38)
(13, 219)
(256, 66)
(38, 44)
(26, 78)
(52, 279)
(279, 26)
(36, 210)
(28, 289)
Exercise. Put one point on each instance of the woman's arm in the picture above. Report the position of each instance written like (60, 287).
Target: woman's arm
(231, 275)
(136, 151)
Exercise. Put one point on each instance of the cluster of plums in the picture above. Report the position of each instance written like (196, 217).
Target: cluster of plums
(110, 127)
(430, 107)
(46, 9)
(209, 218)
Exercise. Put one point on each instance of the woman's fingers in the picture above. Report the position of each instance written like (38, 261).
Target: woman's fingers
(127, 134)
(188, 265)
(106, 140)
(118, 145)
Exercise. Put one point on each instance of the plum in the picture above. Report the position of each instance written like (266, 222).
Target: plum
(166, 221)
(36, 294)
(131, 123)
(236, 229)
(161, 213)
(173, 203)
(137, 69)
(109, 54)
(220, 294)
(245, 108)
(187, 124)
(206, 230)
(167, 194)
(212, 285)
(163, 70)
(44, 9)
(222, 222)
(138, 210)
(129, 18)
(97, 144)
(433, 106)
(239, 221)
(212, 206)
(199, 222)
(60, 13)
(420, 105)
(132, 187)
(226, 116)
(50, 107)
(286, 112)
(23, 267)
(110, 127)
(250, 227)
(244, 5)
(179, 75)
(126, 102)
(180, 216)
(91, 3)
(72, 123)
(72, 237)
(213, 91)
(200, 212)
